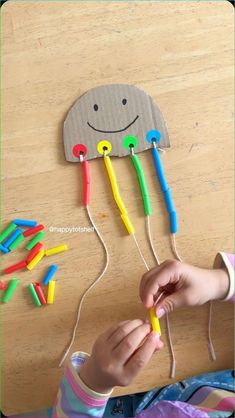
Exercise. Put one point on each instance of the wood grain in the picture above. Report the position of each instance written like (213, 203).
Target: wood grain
(181, 53)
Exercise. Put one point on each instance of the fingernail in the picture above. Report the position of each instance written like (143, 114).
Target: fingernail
(154, 335)
(160, 313)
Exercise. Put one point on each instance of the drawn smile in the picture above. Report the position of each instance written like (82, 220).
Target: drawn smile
(113, 132)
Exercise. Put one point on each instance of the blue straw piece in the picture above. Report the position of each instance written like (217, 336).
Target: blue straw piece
(12, 237)
(50, 273)
(4, 249)
(159, 170)
(24, 222)
(173, 222)
(169, 201)
(166, 190)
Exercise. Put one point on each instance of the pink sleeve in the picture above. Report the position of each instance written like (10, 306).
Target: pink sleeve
(228, 261)
(74, 398)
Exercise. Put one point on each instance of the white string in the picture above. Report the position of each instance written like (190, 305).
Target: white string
(140, 252)
(174, 248)
(173, 362)
(210, 343)
(89, 288)
(150, 239)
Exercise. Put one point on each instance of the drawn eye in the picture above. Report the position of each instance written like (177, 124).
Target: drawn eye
(96, 107)
(124, 102)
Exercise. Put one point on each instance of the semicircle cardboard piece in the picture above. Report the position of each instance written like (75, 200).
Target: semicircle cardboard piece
(110, 113)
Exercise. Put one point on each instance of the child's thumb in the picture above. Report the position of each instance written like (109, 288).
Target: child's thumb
(169, 303)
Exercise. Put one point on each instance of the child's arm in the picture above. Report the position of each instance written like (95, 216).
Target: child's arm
(227, 261)
(117, 357)
(186, 285)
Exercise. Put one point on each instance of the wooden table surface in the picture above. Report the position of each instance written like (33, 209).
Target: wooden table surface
(181, 53)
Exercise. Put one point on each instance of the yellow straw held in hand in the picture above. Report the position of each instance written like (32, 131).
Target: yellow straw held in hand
(155, 321)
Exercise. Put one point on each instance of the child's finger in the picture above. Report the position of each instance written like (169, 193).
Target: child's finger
(110, 331)
(150, 276)
(183, 297)
(147, 276)
(149, 291)
(169, 274)
(142, 356)
(131, 342)
(159, 346)
(122, 331)
(153, 271)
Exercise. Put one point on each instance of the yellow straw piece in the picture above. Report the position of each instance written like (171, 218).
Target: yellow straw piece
(56, 250)
(119, 202)
(155, 321)
(113, 182)
(117, 197)
(51, 292)
(128, 224)
(35, 260)
(110, 171)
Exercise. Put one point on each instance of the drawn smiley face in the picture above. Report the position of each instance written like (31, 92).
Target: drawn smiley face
(111, 112)
(96, 108)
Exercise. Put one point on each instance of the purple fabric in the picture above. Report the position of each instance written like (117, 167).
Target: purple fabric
(200, 395)
(167, 409)
(65, 404)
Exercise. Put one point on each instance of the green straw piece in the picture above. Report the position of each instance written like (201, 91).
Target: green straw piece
(35, 240)
(10, 290)
(142, 182)
(34, 295)
(7, 232)
(17, 241)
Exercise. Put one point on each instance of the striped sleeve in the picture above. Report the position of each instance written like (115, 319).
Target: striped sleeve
(74, 398)
(227, 261)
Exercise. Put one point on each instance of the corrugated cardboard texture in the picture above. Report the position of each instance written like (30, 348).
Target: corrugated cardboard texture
(110, 113)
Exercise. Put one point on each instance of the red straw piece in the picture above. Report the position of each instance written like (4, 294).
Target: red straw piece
(40, 293)
(86, 182)
(3, 285)
(15, 267)
(32, 231)
(34, 252)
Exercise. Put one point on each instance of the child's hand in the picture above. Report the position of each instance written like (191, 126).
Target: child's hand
(183, 285)
(119, 355)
